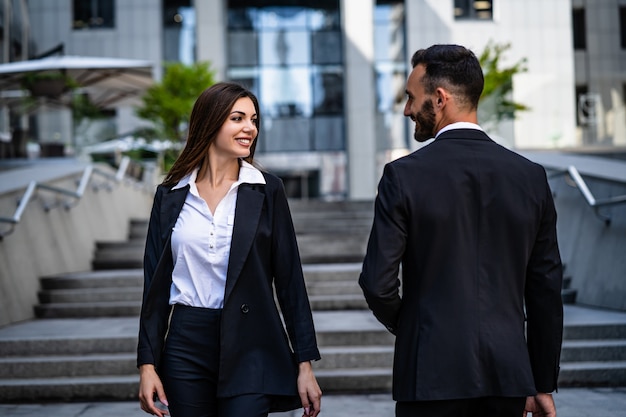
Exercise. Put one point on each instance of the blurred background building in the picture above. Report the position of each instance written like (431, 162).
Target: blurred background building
(330, 74)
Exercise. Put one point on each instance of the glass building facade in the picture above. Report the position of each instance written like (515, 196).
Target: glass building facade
(291, 54)
(291, 57)
(390, 62)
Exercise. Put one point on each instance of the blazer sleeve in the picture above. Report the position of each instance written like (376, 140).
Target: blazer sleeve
(154, 242)
(387, 242)
(152, 253)
(544, 305)
(289, 281)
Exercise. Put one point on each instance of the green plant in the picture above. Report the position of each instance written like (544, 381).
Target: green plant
(49, 83)
(168, 104)
(496, 100)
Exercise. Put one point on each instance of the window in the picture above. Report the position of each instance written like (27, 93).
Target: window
(580, 29)
(390, 64)
(581, 109)
(622, 26)
(179, 26)
(473, 9)
(290, 55)
(94, 14)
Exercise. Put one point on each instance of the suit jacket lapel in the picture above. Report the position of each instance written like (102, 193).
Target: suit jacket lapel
(171, 205)
(247, 214)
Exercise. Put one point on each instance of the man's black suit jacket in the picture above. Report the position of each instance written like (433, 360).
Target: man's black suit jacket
(473, 226)
(255, 353)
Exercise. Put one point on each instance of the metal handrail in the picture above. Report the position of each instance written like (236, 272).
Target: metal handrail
(75, 195)
(592, 201)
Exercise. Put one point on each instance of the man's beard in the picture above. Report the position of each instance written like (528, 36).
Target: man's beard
(425, 122)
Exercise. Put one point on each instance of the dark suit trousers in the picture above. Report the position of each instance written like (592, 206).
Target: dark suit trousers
(470, 407)
(191, 365)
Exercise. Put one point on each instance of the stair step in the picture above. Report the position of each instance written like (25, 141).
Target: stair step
(337, 271)
(355, 338)
(120, 245)
(329, 288)
(594, 331)
(337, 302)
(362, 380)
(78, 310)
(593, 350)
(68, 366)
(91, 295)
(109, 264)
(568, 295)
(567, 282)
(94, 279)
(335, 357)
(115, 387)
(593, 374)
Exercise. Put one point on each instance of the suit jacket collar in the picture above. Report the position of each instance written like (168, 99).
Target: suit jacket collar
(463, 134)
(171, 205)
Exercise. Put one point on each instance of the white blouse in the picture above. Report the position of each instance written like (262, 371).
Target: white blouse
(201, 243)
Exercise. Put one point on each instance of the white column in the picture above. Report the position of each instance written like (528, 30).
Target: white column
(360, 97)
(211, 32)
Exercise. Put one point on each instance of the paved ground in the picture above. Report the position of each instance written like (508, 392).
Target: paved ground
(571, 402)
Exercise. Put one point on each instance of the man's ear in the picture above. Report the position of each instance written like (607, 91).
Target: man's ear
(441, 98)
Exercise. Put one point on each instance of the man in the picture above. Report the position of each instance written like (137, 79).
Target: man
(479, 322)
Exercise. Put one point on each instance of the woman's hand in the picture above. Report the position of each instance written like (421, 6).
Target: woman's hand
(309, 391)
(149, 385)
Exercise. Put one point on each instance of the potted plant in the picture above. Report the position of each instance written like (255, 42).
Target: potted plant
(48, 84)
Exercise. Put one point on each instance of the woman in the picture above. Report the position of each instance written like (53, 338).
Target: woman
(220, 241)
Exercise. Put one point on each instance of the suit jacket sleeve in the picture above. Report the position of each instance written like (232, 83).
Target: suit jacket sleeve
(544, 306)
(379, 276)
(289, 282)
(152, 254)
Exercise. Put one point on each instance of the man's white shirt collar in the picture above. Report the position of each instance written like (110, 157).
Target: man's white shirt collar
(247, 174)
(458, 125)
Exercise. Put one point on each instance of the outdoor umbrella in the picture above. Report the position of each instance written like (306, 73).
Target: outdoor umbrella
(107, 81)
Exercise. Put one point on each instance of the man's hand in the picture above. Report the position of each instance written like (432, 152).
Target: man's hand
(541, 405)
(149, 386)
(309, 390)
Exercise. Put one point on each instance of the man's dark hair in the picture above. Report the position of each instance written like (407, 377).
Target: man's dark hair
(454, 68)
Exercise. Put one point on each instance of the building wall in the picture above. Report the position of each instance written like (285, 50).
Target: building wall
(592, 252)
(360, 102)
(602, 68)
(137, 35)
(541, 33)
(60, 240)
(538, 31)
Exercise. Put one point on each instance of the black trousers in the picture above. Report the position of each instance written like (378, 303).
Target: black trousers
(470, 407)
(191, 365)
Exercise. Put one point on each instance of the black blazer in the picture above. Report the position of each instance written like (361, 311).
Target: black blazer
(255, 350)
(474, 227)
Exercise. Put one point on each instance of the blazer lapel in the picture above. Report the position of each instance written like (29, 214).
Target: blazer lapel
(171, 204)
(247, 215)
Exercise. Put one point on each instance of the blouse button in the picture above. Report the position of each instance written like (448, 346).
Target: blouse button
(244, 308)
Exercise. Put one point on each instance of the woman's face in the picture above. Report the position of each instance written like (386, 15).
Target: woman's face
(238, 131)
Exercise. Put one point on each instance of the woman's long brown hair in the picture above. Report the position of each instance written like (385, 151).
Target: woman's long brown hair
(209, 113)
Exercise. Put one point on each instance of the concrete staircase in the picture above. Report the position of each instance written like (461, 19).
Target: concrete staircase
(83, 344)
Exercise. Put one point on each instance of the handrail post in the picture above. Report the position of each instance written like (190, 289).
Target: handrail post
(76, 195)
(30, 190)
